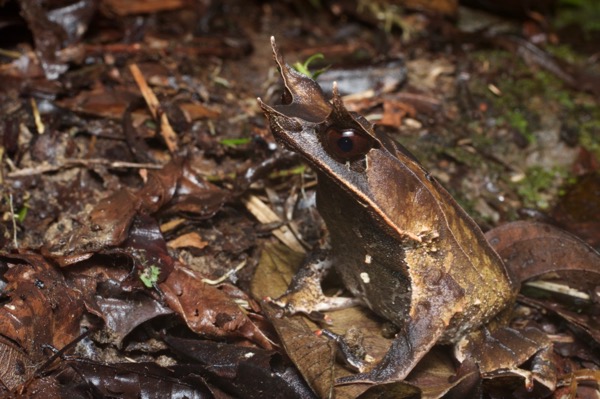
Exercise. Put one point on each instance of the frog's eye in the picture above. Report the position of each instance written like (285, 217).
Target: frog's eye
(347, 144)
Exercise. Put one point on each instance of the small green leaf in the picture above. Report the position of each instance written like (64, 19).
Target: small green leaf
(22, 214)
(149, 276)
(235, 142)
(303, 67)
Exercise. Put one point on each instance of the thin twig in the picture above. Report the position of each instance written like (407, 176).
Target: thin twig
(72, 162)
(1, 165)
(39, 124)
(155, 109)
(226, 275)
(14, 220)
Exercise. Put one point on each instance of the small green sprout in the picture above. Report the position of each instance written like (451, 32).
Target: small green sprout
(303, 67)
(20, 216)
(149, 276)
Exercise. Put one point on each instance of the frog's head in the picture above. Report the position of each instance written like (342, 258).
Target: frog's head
(324, 132)
(343, 148)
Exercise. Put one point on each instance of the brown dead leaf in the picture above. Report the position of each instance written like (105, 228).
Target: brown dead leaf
(570, 270)
(100, 101)
(314, 357)
(395, 111)
(192, 239)
(123, 315)
(195, 111)
(141, 7)
(206, 309)
(532, 249)
(107, 225)
(18, 368)
(39, 308)
(446, 7)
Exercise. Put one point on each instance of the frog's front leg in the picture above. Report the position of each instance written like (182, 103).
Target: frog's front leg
(305, 295)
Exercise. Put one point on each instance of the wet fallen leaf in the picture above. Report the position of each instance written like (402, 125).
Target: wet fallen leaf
(122, 315)
(53, 31)
(107, 224)
(245, 372)
(135, 380)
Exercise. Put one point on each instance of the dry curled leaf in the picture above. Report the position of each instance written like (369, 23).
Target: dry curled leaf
(532, 249)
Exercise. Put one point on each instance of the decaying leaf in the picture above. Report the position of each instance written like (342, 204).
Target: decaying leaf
(122, 315)
(129, 380)
(107, 225)
(244, 371)
(40, 309)
(531, 250)
(206, 309)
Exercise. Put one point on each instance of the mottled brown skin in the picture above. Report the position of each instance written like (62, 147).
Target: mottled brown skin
(399, 241)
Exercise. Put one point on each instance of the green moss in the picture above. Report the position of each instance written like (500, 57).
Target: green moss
(553, 89)
(516, 119)
(564, 52)
(529, 99)
(539, 185)
(590, 137)
(582, 13)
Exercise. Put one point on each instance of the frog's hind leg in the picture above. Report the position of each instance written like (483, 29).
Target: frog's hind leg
(500, 352)
(424, 326)
(407, 349)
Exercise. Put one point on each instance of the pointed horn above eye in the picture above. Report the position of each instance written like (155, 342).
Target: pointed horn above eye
(338, 104)
(341, 114)
(304, 98)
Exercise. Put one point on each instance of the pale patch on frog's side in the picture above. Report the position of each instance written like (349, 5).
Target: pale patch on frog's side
(364, 276)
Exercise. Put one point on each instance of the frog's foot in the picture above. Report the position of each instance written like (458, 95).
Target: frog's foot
(350, 348)
(407, 349)
(378, 375)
